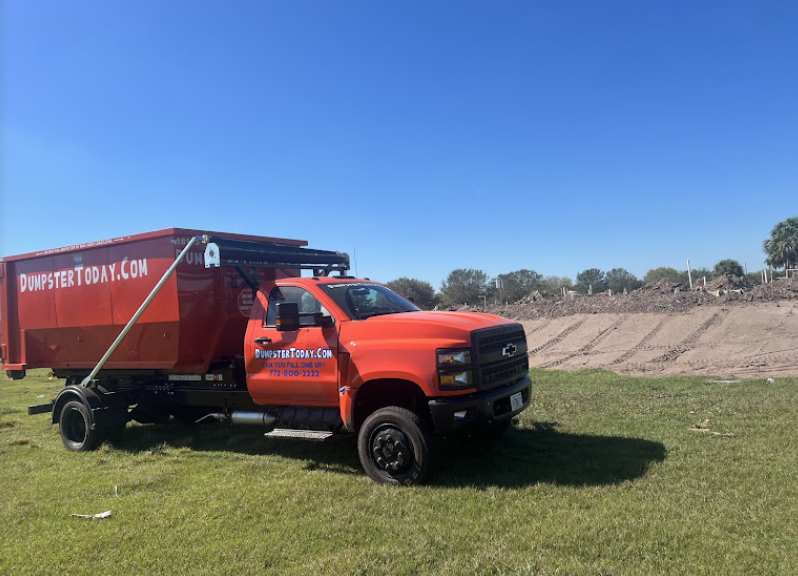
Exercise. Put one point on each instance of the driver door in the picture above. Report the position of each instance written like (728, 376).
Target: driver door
(298, 367)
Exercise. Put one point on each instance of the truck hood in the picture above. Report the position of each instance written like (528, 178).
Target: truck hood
(463, 320)
(448, 328)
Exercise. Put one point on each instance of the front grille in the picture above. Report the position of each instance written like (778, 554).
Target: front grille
(503, 372)
(493, 339)
(500, 356)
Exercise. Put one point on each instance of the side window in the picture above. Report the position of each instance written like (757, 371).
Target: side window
(307, 303)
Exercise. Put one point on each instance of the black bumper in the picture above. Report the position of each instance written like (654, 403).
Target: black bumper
(460, 413)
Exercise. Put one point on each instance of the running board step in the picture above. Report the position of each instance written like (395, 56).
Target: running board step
(311, 435)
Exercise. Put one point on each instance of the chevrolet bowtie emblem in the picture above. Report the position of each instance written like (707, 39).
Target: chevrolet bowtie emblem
(509, 350)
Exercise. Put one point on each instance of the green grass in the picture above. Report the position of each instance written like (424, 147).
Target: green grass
(603, 475)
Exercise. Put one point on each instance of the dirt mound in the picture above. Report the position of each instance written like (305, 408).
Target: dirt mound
(751, 340)
(659, 297)
(666, 297)
(729, 282)
(726, 328)
(664, 285)
(782, 289)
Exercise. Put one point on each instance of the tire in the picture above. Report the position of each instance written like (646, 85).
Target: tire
(396, 447)
(75, 426)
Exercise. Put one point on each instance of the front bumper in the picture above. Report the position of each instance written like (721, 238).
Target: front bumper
(462, 413)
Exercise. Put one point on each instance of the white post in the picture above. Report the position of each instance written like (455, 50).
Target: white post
(689, 275)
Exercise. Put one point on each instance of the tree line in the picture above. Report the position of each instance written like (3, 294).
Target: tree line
(473, 287)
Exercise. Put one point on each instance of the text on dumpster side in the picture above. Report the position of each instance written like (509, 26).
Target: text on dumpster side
(82, 275)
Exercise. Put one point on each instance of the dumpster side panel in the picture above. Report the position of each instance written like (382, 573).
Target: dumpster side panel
(72, 305)
(155, 339)
(36, 281)
(201, 309)
(63, 308)
(82, 285)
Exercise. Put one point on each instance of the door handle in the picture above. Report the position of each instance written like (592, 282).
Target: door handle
(263, 341)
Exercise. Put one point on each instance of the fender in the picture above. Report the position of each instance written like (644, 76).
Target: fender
(368, 365)
(371, 363)
(88, 397)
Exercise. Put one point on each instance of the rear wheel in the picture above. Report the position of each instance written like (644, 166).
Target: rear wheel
(76, 428)
(396, 447)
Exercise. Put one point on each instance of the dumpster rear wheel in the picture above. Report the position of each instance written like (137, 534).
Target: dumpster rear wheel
(396, 447)
(75, 426)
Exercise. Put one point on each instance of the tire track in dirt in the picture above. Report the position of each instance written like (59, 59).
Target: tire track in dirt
(689, 342)
(640, 345)
(587, 347)
(747, 364)
(544, 325)
(557, 339)
(781, 323)
(749, 340)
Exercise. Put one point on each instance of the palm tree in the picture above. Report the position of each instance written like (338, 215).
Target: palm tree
(782, 246)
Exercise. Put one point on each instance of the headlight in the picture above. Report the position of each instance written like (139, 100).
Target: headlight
(447, 358)
(459, 380)
(454, 369)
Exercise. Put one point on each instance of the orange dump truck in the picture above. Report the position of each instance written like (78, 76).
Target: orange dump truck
(202, 326)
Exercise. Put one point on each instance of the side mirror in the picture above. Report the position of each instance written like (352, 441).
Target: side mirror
(287, 316)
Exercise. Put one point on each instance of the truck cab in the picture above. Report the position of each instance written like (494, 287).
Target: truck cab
(351, 348)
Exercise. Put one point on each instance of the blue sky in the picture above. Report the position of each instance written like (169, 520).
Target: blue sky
(419, 136)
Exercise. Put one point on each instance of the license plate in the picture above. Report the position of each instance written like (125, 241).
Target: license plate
(516, 401)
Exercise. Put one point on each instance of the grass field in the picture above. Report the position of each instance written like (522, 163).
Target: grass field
(603, 475)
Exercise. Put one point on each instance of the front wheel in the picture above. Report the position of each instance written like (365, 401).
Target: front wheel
(396, 447)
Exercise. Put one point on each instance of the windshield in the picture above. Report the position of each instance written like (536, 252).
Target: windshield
(361, 300)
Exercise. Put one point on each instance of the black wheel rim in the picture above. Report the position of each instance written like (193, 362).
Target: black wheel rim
(75, 429)
(391, 450)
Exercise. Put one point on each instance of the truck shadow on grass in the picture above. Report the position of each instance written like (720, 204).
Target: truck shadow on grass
(541, 454)
(524, 457)
(336, 454)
